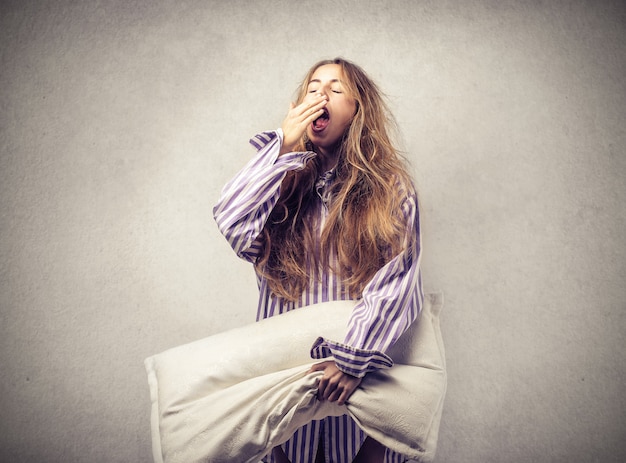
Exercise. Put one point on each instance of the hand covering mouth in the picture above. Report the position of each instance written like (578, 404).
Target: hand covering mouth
(321, 122)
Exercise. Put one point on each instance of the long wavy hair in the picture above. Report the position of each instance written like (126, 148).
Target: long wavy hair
(364, 227)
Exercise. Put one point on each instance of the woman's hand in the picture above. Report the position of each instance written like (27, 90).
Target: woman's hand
(299, 118)
(335, 385)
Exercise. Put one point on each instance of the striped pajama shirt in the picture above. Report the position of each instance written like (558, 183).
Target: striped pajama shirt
(390, 302)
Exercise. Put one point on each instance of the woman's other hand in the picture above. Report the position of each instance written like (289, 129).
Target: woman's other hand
(334, 385)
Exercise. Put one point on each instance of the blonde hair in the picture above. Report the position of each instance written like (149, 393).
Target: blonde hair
(364, 228)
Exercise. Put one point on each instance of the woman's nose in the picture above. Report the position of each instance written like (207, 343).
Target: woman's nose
(323, 90)
(321, 93)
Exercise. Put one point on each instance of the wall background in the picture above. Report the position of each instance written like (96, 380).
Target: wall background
(121, 120)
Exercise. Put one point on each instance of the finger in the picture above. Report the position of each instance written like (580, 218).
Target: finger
(345, 394)
(315, 368)
(329, 388)
(336, 394)
(318, 104)
(311, 105)
(319, 366)
(311, 115)
(327, 392)
(321, 388)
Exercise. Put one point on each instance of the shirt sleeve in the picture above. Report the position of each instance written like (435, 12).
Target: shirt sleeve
(391, 301)
(247, 200)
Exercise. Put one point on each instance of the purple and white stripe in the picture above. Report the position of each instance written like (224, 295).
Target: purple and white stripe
(391, 301)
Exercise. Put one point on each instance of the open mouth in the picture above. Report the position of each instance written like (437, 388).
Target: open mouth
(321, 122)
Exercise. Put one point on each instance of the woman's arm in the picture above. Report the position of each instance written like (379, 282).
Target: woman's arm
(391, 301)
(248, 199)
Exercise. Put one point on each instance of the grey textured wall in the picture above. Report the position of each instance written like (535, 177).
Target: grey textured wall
(121, 120)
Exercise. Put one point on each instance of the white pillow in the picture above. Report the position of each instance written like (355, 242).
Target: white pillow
(235, 395)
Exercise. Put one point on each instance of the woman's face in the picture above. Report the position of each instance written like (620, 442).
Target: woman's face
(327, 130)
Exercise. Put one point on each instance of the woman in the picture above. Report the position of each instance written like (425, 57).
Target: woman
(326, 211)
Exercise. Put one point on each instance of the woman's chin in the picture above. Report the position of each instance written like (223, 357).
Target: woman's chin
(323, 140)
